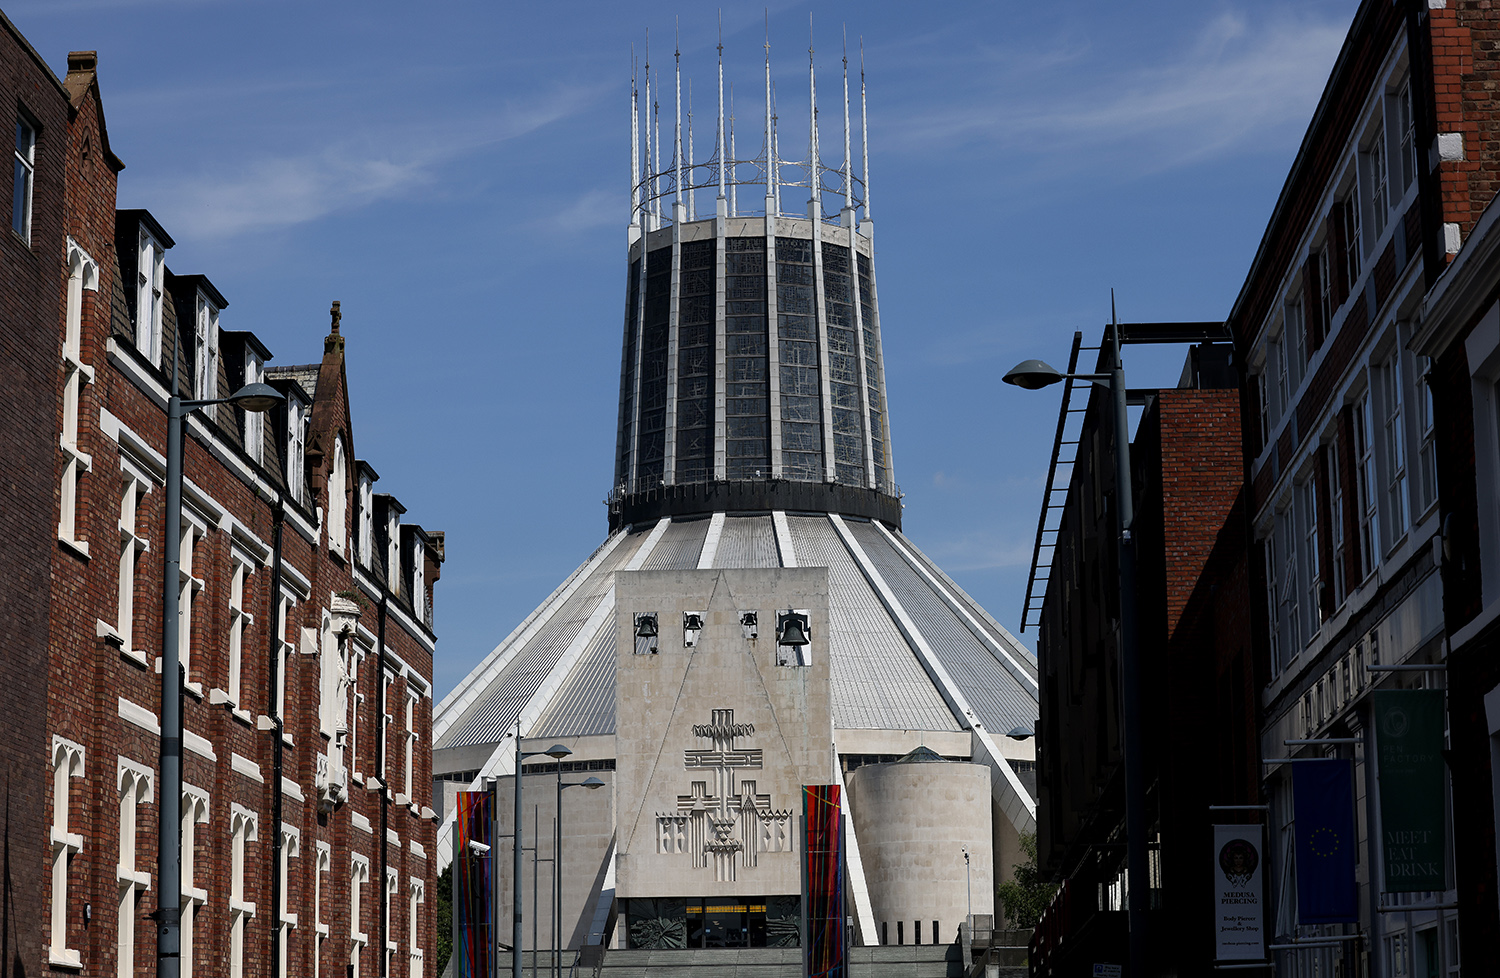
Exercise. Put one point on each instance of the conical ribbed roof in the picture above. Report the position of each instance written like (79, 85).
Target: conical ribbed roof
(885, 598)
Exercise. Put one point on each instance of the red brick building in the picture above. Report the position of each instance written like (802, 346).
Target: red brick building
(1191, 577)
(30, 310)
(305, 606)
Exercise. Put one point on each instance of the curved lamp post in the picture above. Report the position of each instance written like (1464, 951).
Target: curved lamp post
(1034, 375)
(591, 784)
(256, 398)
(557, 752)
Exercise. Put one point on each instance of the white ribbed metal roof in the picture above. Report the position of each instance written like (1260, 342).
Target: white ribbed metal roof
(879, 680)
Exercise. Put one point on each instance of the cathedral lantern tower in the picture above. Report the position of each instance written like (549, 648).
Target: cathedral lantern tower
(751, 376)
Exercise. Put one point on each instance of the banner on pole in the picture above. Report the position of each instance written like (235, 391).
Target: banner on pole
(1239, 905)
(1409, 745)
(473, 885)
(1323, 805)
(822, 811)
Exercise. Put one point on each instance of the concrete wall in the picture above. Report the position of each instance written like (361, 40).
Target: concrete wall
(663, 697)
(913, 822)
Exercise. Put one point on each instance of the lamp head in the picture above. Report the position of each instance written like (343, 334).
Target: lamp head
(1021, 732)
(591, 784)
(256, 398)
(1032, 375)
(557, 752)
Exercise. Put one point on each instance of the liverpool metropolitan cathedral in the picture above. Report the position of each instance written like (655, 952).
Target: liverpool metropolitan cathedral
(755, 620)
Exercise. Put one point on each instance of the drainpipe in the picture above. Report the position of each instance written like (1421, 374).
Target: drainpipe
(278, 725)
(385, 790)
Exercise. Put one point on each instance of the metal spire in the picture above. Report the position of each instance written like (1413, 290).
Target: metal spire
(864, 130)
(649, 186)
(848, 184)
(677, 131)
(656, 154)
(692, 178)
(734, 183)
(776, 148)
(719, 136)
(635, 145)
(771, 189)
(813, 196)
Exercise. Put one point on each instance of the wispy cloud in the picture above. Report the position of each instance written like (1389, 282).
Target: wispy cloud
(1236, 79)
(373, 161)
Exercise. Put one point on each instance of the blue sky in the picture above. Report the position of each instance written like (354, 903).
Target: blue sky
(457, 174)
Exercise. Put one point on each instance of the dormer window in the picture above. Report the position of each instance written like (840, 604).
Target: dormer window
(393, 550)
(150, 262)
(366, 540)
(419, 578)
(206, 350)
(296, 440)
(255, 431)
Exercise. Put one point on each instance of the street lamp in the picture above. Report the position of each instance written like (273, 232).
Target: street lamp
(256, 398)
(1034, 375)
(556, 751)
(591, 784)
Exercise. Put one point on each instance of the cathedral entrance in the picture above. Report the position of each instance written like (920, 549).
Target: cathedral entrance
(696, 922)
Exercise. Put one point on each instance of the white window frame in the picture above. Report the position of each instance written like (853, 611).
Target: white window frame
(1377, 172)
(134, 782)
(1336, 542)
(416, 896)
(1291, 592)
(289, 847)
(393, 550)
(366, 520)
(244, 828)
(1306, 505)
(410, 746)
(195, 810)
(1354, 246)
(338, 501)
(132, 546)
(1427, 488)
(206, 350)
(1273, 602)
(1294, 342)
(296, 452)
(285, 647)
(1406, 134)
(25, 176)
(240, 621)
(1366, 480)
(83, 275)
(323, 861)
(255, 422)
(1393, 447)
(188, 587)
(392, 887)
(359, 875)
(150, 266)
(67, 763)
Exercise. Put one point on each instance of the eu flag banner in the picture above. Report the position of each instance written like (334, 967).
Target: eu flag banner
(1323, 803)
(1413, 817)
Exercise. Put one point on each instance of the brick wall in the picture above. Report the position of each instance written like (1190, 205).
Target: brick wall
(30, 273)
(101, 690)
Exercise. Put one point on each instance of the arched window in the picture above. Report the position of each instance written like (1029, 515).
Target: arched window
(338, 501)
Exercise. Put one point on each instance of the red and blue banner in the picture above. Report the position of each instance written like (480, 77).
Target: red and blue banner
(1323, 804)
(473, 886)
(823, 817)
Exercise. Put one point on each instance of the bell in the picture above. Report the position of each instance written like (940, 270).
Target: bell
(793, 630)
(692, 623)
(645, 626)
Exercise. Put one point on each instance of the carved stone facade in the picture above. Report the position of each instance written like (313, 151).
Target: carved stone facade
(728, 823)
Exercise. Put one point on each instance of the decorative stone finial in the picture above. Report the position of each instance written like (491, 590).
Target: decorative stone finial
(334, 312)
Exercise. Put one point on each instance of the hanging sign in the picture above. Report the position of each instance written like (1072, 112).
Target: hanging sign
(1323, 801)
(1239, 905)
(1409, 745)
